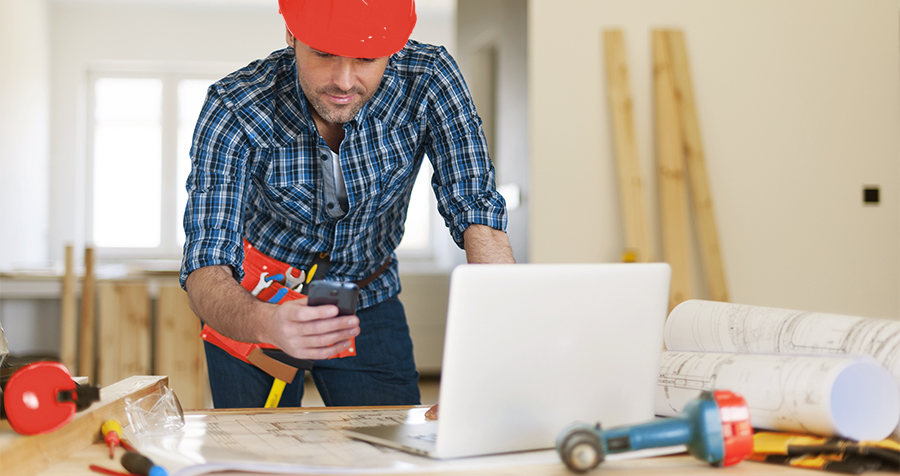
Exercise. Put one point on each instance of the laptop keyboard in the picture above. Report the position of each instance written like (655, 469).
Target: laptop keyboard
(432, 437)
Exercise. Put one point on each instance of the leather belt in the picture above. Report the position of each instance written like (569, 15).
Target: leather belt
(368, 279)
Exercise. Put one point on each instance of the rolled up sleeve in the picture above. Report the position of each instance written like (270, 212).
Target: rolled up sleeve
(464, 177)
(216, 187)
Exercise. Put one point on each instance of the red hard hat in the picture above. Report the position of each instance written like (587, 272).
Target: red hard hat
(353, 28)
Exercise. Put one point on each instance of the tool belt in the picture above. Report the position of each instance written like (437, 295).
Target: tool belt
(276, 282)
(272, 281)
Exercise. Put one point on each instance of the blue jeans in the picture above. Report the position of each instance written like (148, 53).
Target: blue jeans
(383, 371)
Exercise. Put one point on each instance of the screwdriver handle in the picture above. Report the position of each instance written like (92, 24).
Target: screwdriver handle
(139, 464)
(111, 430)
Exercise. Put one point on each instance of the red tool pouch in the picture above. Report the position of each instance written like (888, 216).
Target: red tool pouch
(272, 281)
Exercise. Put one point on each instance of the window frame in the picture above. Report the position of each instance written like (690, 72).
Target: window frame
(169, 116)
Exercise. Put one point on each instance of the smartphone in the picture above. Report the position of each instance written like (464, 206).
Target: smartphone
(343, 295)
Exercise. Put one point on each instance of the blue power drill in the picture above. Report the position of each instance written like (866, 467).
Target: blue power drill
(715, 427)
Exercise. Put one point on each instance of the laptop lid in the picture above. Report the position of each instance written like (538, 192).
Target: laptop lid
(531, 348)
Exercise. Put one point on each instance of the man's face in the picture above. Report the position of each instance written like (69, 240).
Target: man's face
(336, 86)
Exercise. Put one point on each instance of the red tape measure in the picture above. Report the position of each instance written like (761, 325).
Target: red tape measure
(40, 398)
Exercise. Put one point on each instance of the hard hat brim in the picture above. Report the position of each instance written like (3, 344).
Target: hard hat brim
(351, 28)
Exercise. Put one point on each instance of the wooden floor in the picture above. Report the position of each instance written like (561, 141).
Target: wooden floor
(428, 386)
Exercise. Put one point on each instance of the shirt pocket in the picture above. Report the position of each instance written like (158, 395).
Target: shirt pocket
(398, 165)
(290, 184)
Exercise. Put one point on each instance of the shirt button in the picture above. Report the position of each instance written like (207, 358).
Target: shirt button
(330, 206)
(324, 157)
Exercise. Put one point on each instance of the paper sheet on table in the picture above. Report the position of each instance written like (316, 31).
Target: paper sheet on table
(708, 326)
(309, 442)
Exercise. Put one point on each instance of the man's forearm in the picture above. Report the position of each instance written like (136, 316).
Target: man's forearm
(484, 244)
(224, 304)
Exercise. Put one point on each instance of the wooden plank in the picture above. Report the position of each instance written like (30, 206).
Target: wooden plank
(124, 323)
(178, 352)
(87, 357)
(26, 455)
(695, 160)
(68, 317)
(673, 209)
(631, 187)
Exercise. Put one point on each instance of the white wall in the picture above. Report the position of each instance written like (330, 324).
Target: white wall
(799, 108)
(501, 25)
(24, 131)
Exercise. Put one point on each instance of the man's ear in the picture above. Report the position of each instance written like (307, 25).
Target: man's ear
(288, 37)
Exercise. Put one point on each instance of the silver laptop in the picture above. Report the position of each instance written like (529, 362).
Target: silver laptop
(532, 348)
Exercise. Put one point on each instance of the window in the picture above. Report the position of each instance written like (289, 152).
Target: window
(139, 140)
(127, 162)
(417, 236)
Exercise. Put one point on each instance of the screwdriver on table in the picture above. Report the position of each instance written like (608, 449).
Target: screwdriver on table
(139, 464)
(112, 435)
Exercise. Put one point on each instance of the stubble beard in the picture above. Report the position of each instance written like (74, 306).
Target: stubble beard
(335, 113)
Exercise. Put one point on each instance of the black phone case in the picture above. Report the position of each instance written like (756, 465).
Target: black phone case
(343, 295)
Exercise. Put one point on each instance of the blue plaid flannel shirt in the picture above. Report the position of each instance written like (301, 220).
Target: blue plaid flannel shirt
(259, 169)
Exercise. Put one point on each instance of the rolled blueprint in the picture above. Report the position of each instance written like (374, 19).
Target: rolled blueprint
(850, 397)
(722, 327)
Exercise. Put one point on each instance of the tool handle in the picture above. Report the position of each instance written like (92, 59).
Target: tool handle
(654, 434)
(139, 464)
(111, 430)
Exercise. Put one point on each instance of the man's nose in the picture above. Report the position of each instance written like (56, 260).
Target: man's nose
(344, 74)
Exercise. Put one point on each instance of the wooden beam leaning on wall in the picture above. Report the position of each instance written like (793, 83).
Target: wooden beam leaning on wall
(179, 352)
(695, 160)
(68, 339)
(125, 337)
(670, 161)
(86, 349)
(631, 188)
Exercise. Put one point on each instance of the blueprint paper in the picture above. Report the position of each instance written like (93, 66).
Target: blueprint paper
(300, 442)
(823, 395)
(708, 326)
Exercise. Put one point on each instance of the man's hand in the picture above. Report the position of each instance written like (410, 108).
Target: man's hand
(311, 332)
(304, 332)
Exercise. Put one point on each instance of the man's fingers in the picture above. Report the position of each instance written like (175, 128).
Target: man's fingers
(301, 312)
(315, 319)
(324, 325)
(313, 332)
(319, 339)
(321, 353)
(432, 413)
(328, 339)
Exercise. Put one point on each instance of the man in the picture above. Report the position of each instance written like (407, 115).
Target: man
(315, 150)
